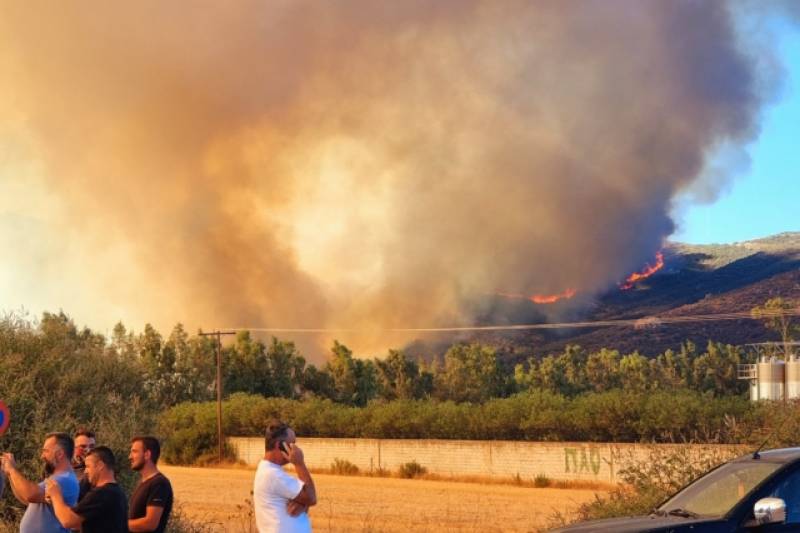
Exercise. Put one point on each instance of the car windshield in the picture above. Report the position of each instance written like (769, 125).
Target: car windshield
(718, 491)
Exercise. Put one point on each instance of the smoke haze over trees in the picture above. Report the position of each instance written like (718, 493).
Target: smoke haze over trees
(358, 164)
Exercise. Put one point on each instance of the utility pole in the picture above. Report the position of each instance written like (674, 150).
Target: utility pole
(219, 335)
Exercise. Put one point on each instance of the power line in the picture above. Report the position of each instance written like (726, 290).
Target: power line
(648, 321)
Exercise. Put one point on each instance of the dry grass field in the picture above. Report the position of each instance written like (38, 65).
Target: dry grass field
(371, 504)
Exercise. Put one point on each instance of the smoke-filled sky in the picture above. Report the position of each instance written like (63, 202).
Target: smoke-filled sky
(357, 164)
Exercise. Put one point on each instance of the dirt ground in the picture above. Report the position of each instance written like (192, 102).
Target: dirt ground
(220, 498)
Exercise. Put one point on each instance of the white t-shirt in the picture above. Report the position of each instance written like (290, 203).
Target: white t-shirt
(272, 490)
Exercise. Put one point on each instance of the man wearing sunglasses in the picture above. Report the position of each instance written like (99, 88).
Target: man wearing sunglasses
(84, 443)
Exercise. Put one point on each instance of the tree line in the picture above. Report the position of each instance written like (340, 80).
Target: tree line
(181, 368)
(55, 375)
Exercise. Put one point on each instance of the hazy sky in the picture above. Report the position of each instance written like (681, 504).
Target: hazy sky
(374, 165)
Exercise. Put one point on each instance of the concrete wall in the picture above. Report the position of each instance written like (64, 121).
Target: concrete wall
(496, 459)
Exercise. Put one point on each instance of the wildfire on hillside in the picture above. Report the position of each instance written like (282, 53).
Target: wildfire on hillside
(541, 298)
(629, 282)
(648, 271)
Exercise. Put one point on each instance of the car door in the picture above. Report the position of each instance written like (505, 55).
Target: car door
(785, 485)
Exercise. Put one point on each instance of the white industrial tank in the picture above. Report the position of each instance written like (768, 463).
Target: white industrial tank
(771, 379)
(792, 378)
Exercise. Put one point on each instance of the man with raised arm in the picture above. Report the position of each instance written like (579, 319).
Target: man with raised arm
(151, 502)
(281, 501)
(39, 516)
(104, 509)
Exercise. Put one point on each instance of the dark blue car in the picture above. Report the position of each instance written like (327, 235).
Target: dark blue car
(758, 492)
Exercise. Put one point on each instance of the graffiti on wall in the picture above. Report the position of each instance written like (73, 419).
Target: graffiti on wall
(582, 460)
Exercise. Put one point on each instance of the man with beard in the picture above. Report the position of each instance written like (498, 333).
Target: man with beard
(84, 443)
(104, 509)
(151, 502)
(39, 517)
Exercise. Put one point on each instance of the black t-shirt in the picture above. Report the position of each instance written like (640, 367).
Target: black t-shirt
(104, 509)
(155, 492)
(84, 487)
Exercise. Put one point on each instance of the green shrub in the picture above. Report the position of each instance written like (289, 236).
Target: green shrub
(646, 483)
(55, 377)
(412, 470)
(541, 481)
(681, 415)
(343, 467)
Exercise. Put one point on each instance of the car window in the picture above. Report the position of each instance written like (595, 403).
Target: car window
(789, 491)
(718, 491)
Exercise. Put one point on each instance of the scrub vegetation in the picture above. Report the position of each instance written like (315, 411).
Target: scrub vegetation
(55, 376)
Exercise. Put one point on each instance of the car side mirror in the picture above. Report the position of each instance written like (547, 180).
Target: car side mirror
(770, 511)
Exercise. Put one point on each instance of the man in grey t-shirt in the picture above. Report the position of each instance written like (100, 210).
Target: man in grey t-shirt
(57, 455)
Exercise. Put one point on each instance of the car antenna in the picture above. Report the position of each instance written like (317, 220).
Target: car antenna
(757, 455)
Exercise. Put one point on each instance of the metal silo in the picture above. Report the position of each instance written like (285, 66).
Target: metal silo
(771, 379)
(792, 378)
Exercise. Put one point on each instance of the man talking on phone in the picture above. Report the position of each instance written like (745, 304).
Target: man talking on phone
(281, 501)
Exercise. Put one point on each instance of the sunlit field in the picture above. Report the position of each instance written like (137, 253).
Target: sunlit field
(218, 497)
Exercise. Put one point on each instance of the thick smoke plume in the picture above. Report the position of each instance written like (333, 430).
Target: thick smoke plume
(366, 164)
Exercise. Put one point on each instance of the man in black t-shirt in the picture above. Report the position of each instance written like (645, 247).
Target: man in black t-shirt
(104, 508)
(151, 502)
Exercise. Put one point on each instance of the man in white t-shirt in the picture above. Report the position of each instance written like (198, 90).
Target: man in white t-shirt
(281, 501)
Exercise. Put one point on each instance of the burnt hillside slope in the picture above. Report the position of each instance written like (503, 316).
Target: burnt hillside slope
(695, 279)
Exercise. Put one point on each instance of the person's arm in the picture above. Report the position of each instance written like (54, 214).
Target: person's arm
(308, 494)
(26, 491)
(295, 509)
(68, 518)
(149, 522)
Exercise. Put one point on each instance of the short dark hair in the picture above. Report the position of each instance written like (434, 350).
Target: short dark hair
(104, 454)
(276, 432)
(84, 432)
(150, 445)
(63, 441)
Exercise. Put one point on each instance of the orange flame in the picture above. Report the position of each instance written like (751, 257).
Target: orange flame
(648, 271)
(541, 298)
(552, 298)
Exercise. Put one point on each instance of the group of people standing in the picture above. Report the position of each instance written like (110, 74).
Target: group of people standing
(80, 490)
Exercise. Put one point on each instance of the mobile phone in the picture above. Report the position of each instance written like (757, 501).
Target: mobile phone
(284, 447)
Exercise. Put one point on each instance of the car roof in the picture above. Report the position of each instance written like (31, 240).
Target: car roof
(780, 455)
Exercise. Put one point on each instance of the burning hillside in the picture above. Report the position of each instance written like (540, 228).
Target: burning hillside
(360, 165)
(648, 271)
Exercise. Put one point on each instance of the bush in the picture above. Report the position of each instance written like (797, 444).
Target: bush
(649, 482)
(612, 416)
(412, 470)
(541, 481)
(55, 377)
(343, 467)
